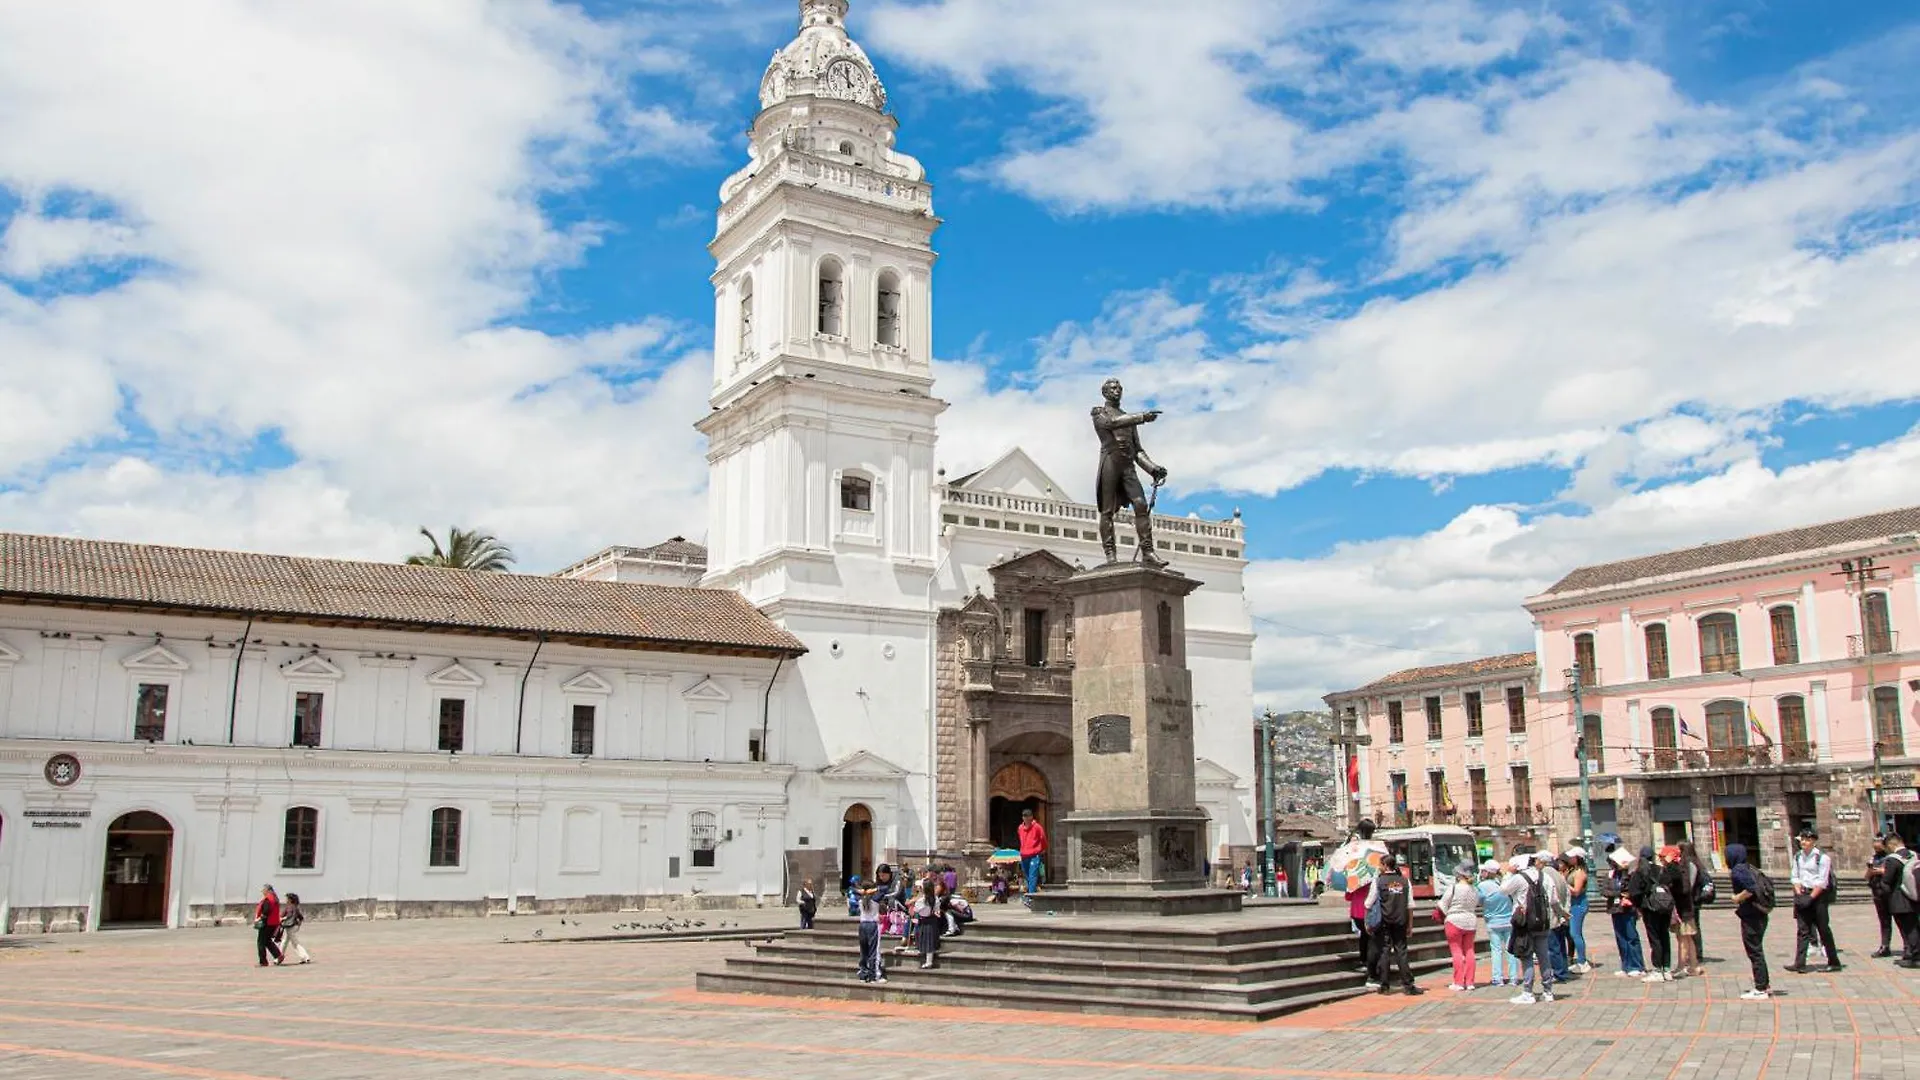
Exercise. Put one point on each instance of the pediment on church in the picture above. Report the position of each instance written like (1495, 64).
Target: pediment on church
(1042, 564)
(706, 690)
(155, 658)
(587, 682)
(312, 666)
(1210, 773)
(457, 675)
(979, 604)
(862, 765)
(1014, 473)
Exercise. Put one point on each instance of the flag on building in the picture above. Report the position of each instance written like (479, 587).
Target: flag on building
(1353, 774)
(1753, 723)
(1446, 796)
(1684, 731)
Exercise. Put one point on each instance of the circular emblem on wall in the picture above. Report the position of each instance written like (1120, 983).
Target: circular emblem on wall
(62, 770)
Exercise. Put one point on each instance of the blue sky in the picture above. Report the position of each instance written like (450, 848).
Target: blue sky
(1446, 296)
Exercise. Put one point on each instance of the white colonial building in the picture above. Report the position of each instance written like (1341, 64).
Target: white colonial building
(875, 664)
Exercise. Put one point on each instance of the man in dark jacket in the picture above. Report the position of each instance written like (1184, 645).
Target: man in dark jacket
(1394, 895)
(1753, 922)
(1877, 885)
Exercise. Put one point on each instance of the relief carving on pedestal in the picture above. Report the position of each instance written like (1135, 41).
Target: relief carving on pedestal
(1175, 846)
(1109, 734)
(1110, 853)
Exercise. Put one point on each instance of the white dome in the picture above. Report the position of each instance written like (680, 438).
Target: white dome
(822, 61)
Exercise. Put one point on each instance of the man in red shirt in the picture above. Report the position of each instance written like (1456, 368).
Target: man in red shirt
(1033, 844)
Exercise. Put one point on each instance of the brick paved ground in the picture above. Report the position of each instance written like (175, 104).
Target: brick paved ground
(452, 998)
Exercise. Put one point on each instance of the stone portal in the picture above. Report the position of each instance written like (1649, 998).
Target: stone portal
(1136, 839)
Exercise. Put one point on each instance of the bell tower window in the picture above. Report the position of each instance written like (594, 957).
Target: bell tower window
(846, 147)
(832, 298)
(746, 316)
(887, 307)
(856, 493)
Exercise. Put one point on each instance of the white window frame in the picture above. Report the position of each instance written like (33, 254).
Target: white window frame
(319, 840)
(466, 835)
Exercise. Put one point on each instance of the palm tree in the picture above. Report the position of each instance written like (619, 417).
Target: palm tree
(467, 549)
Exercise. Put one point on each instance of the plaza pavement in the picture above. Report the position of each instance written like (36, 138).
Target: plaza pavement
(474, 998)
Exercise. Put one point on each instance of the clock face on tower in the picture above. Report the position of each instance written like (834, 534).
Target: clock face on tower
(847, 79)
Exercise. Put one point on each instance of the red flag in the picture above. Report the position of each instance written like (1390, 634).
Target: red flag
(1353, 774)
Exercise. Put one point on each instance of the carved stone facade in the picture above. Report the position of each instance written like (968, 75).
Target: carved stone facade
(1004, 707)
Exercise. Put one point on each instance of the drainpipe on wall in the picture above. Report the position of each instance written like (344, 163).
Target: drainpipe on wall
(520, 713)
(233, 697)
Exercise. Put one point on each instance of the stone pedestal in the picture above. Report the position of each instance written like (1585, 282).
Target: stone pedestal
(1136, 840)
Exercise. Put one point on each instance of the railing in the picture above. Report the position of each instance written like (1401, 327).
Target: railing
(1877, 643)
(1675, 759)
(796, 166)
(1077, 512)
(149, 732)
(1006, 678)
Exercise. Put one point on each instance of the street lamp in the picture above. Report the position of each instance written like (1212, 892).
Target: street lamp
(1269, 725)
(1576, 678)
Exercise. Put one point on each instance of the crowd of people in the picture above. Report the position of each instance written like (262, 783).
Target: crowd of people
(1534, 907)
(917, 914)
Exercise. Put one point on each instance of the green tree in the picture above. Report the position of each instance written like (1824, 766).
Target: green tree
(466, 549)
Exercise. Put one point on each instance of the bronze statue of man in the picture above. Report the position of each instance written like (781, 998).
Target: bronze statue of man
(1119, 484)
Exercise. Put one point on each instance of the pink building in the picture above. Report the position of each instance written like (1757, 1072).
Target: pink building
(1736, 691)
(1457, 744)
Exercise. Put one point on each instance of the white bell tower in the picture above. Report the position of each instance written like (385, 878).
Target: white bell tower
(821, 437)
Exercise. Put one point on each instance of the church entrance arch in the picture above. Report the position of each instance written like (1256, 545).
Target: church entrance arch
(138, 865)
(1017, 786)
(856, 844)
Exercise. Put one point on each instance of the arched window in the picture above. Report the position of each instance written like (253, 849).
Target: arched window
(1879, 628)
(887, 308)
(1583, 663)
(1666, 738)
(1887, 734)
(1786, 635)
(1792, 709)
(703, 836)
(746, 316)
(299, 838)
(1726, 728)
(856, 493)
(443, 846)
(832, 318)
(846, 147)
(1658, 666)
(1719, 643)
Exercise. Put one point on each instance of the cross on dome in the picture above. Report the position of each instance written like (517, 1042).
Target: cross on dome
(822, 61)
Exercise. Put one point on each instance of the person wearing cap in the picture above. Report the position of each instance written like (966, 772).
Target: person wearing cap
(1532, 926)
(1577, 882)
(1626, 928)
(1459, 904)
(1812, 896)
(1753, 921)
(1498, 908)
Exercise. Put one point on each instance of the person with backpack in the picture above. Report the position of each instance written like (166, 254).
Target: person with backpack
(1532, 925)
(1626, 926)
(1812, 897)
(1682, 879)
(1648, 894)
(1390, 906)
(1902, 875)
(1877, 885)
(1753, 902)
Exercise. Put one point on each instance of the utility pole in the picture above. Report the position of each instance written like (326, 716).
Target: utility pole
(1268, 886)
(1577, 678)
(1348, 740)
(1861, 573)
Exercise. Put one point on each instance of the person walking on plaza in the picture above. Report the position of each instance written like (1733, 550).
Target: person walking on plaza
(1682, 879)
(1459, 904)
(1033, 848)
(291, 920)
(266, 924)
(1626, 929)
(1812, 897)
(1877, 885)
(1902, 874)
(1647, 894)
(808, 902)
(1532, 926)
(1498, 908)
(1392, 893)
(1753, 902)
(1578, 879)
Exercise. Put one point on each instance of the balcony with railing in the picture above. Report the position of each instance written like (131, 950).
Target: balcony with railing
(1876, 643)
(1002, 677)
(1675, 759)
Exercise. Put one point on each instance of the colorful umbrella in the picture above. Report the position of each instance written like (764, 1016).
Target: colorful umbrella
(1357, 862)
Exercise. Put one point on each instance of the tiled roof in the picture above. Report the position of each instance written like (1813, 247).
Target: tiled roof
(678, 547)
(677, 550)
(283, 588)
(1749, 549)
(1486, 665)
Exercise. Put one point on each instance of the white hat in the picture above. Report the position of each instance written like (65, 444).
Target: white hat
(1519, 862)
(1490, 864)
(1576, 852)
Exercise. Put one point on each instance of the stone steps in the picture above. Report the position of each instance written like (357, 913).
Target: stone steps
(1157, 967)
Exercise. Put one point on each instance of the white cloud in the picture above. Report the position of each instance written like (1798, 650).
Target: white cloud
(336, 214)
(1455, 592)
